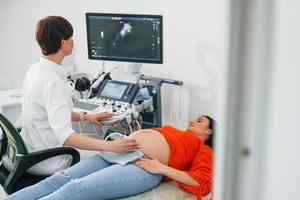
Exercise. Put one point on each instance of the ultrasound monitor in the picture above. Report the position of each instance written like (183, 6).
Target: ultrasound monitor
(124, 37)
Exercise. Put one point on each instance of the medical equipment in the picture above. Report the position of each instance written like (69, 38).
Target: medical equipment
(146, 107)
(120, 158)
(113, 97)
(94, 89)
(124, 37)
(82, 84)
(135, 106)
(153, 117)
(118, 108)
(95, 85)
(130, 38)
(78, 85)
(134, 121)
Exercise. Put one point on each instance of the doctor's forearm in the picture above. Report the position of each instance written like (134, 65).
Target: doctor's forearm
(83, 142)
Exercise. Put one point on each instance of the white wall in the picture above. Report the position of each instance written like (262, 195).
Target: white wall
(4, 33)
(282, 169)
(261, 136)
(194, 35)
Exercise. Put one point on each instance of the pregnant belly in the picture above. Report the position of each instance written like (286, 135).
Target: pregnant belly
(152, 143)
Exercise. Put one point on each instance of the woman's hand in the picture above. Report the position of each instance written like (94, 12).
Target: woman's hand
(122, 145)
(95, 118)
(151, 165)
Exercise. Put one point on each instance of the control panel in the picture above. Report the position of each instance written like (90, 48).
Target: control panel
(98, 105)
(113, 97)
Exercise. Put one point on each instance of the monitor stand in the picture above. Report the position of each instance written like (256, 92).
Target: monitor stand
(131, 73)
(134, 68)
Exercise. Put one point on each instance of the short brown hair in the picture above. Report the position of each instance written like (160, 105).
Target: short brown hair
(50, 31)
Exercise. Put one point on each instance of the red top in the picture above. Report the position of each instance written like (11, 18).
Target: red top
(189, 154)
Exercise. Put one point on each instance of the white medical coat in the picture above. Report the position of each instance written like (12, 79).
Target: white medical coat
(46, 109)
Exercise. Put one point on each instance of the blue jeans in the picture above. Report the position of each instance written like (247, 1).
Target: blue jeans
(93, 178)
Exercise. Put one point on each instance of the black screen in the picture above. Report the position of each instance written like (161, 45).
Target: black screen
(120, 37)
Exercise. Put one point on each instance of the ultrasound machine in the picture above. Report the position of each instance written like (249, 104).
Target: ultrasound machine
(113, 97)
(127, 38)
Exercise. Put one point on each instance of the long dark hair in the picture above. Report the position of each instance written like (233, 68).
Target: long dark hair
(211, 125)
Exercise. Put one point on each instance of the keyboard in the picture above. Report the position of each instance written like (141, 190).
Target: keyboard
(85, 106)
(97, 105)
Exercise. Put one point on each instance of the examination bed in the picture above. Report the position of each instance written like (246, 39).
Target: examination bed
(165, 191)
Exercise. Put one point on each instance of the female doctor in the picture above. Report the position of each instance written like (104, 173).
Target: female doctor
(47, 105)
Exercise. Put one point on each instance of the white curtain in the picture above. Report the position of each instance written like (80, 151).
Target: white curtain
(175, 106)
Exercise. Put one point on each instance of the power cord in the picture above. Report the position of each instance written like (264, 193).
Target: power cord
(115, 133)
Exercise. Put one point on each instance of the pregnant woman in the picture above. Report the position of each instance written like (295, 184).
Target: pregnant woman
(171, 154)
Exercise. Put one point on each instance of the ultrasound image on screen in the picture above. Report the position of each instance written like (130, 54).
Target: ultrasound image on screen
(124, 38)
